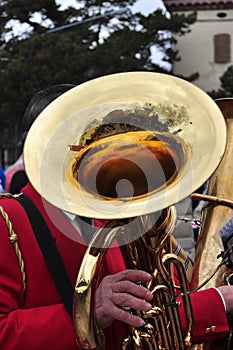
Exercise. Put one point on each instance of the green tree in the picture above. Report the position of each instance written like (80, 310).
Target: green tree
(226, 88)
(35, 59)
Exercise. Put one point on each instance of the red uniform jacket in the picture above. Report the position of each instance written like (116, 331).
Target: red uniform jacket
(36, 319)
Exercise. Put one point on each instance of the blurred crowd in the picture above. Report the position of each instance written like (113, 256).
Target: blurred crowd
(13, 178)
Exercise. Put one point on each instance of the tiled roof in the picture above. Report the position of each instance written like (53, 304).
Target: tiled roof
(175, 5)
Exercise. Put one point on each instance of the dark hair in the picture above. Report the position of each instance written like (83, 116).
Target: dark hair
(38, 102)
(18, 181)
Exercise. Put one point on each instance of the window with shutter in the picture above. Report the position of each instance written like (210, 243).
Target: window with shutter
(222, 48)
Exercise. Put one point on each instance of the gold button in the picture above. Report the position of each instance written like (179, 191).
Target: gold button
(211, 329)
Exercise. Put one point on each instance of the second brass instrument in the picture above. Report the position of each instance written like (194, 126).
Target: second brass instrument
(217, 212)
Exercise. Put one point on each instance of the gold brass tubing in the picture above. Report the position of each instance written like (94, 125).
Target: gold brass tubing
(213, 199)
(171, 258)
(173, 313)
(88, 335)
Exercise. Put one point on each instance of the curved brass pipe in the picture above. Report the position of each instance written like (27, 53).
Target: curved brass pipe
(162, 329)
(89, 336)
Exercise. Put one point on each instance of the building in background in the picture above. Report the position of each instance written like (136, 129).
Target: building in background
(208, 48)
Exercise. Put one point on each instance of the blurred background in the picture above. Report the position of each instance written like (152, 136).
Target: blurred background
(48, 42)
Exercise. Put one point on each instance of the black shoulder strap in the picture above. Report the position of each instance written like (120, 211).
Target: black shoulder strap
(50, 252)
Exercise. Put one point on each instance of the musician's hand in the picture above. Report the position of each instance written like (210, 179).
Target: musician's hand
(118, 291)
(227, 293)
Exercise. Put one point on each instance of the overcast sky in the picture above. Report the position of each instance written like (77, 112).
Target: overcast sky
(145, 6)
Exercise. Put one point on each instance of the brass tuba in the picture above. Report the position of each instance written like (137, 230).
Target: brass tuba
(126, 148)
(217, 212)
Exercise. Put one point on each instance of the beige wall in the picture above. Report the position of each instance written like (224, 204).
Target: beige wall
(197, 49)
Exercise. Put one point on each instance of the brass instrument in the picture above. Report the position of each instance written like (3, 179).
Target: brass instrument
(162, 329)
(217, 211)
(151, 128)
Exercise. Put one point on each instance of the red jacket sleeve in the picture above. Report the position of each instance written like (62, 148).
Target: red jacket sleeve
(209, 315)
(26, 328)
(210, 320)
(46, 327)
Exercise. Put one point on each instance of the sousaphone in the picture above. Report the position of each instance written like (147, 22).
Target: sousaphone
(125, 148)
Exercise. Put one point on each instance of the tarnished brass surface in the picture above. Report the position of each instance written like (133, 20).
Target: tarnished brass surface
(216, 213)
